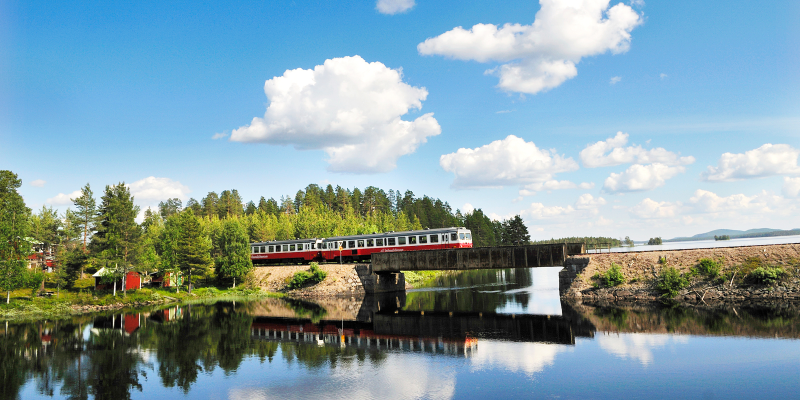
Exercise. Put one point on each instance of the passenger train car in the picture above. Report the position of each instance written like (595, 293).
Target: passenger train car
(357, 247)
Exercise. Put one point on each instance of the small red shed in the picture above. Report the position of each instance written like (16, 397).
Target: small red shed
(132, 281)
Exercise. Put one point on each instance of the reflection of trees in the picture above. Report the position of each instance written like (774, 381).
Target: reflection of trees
(114, 365)
(306, 309)
(315, 357)
(486, 293)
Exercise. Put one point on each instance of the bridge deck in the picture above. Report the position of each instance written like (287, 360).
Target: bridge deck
(530, 256)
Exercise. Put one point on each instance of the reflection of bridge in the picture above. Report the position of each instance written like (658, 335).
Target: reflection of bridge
(383, 324)
(385, 275)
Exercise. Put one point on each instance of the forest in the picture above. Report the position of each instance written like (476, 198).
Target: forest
(206, 240)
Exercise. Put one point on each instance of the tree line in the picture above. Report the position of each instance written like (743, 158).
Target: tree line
(208, 240)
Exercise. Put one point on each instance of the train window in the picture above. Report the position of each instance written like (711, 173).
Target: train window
(361, 243)
(390, 241)
(351, 244)
(263, 249)
(434, 238)
(453, 236)
(412, 240)
(461, 236)
(469, 236)
(271, 249)
(401, 240)
(291, 247)
(423, 239)
(378, 242)
(370, 243)
(285, 247)
(254, 249)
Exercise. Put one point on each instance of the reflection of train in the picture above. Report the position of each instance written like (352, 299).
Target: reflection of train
(358, 247)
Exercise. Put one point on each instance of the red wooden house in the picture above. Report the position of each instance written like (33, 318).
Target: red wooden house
(133, 280)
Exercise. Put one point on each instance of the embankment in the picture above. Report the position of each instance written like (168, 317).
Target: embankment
(642, 271)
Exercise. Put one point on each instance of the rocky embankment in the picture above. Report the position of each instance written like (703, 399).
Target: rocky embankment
(642, 271)
(342, 280)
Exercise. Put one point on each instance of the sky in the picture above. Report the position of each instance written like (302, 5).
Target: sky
(584, 117)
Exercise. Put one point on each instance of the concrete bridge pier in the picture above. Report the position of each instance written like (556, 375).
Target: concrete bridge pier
(380, 282)
(572, 267)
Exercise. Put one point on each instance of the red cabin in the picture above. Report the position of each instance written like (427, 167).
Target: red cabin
(132, 281)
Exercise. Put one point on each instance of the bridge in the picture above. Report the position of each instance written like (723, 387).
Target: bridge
(385, 274)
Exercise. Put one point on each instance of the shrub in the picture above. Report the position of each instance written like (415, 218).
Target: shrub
(302, 278)
(670, 282)
(765, 275)
(613, 276)
(709, 267)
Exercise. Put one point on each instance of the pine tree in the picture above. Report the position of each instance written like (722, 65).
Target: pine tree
(14, 228)
(193, 248)
(117, 233)
(85, 213)
(234, 261)
(515, 233)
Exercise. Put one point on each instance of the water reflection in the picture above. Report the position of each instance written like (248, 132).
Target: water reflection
(380, 346)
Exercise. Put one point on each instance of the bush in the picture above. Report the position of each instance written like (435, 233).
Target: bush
(655, 241)
(709, 267)
(314, 275)
(613, 276)
(765, 275)
(670, 282)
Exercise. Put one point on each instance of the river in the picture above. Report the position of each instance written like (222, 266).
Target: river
(479, 334)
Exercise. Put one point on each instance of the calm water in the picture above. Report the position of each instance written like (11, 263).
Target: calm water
(482, 334)
(705, 244)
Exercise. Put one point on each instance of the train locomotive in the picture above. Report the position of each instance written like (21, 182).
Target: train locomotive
(357, 248)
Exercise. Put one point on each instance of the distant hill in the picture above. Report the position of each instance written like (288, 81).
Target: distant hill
(735, 234)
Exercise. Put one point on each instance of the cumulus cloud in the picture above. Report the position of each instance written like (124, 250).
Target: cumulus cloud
(651, 209)
(511, 161)
(636, 346)
(527, 358)
(767, 160)
(704, 201)
(393, 6)
(38, 183)
(638, 178)
(219, 135)
(586, 205)
(62, 199)
(663, 76)
(543, 55)
(347, 107)
(791, 187)
(531, 189)
(614, 80)
(158, 189)
(611, 152)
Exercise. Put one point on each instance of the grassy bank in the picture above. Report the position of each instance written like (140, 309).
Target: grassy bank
(23, 306)
(421, 278)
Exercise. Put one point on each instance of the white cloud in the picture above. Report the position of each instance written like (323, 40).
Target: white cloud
(791, 187)
(347, 107)
(586, 205)
(515, 357)
(637, 3)
(614, 80)
(511, 161)
(638, 178)
(763, 203)
(651, 209)
(468, 208)
(636, 346)
(393, 6)
(219, 135)
(610, 152)
(663, 76)
(531, 189)
(504, 111)
(62, 199)
(542, 55)
(158, 189)
(767, 160)
(38, 183)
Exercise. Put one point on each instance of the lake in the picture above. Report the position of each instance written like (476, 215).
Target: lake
(704, 244)
(479, 334)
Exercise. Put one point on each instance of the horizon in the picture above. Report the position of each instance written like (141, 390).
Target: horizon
(614, 119)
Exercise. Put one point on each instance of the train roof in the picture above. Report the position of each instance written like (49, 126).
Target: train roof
(392, 234)
(364, 236)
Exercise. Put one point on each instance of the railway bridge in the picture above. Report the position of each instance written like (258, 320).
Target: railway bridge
(386, 274)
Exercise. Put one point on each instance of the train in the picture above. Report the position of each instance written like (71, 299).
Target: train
(357, 248)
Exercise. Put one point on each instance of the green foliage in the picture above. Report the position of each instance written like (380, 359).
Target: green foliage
(656, 241)
(234, 246)
(709, 267)
(192, 247)
(722, 237)
(765, 275)
(670, 282)
(591, 241)
(611, 277)
(514, 232)
(303, 278)
(117, 234)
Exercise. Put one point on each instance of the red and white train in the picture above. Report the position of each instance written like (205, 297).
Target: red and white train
(357, 247)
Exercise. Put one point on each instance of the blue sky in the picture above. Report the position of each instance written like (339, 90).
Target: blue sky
(103, 92)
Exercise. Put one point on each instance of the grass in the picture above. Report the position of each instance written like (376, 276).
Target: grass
(23, 306)
(415, 278)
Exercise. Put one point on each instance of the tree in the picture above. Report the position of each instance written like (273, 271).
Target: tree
(117, 232)
(85, 213)
(169, 207)
(234, 243)
(481, 227)
(628, 242)
(515, 233)
(14, 228)
(192, 253)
